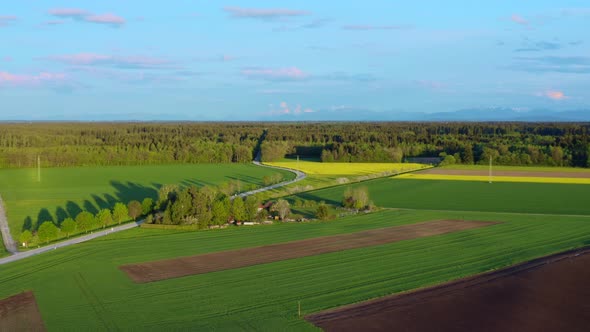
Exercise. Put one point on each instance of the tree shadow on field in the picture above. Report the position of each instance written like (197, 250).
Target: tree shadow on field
(312, 197)
(43, 216)
(101, 203)
(245, 179)
(126, 192)
(61, 214)
(73, 209)
(88, 206)
(28, 224)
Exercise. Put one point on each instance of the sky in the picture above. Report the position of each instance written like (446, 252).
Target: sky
(278, 60)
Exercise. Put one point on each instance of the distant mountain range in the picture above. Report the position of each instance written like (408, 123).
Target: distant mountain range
(467, 115)
(347, 114)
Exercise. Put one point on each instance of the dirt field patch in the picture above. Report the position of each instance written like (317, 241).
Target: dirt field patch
(548, 294)
(472, 172)
(179, 267)
(20, 313)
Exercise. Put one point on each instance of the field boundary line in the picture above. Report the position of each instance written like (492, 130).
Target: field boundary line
(494, 212)
(5, 230)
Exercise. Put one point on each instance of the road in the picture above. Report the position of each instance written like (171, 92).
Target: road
(5, 230)
(21, 255)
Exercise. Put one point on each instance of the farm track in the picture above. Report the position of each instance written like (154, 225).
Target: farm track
(225, 260)
(11, 245)
(5, 230)
(516, 298)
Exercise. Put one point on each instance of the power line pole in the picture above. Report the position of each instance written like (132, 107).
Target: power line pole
(38, 168)
(490, 169)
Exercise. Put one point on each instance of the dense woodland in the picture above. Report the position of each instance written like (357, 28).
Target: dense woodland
(82, 144)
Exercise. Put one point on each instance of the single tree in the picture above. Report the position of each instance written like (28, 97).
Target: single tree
(281, 207)
(238, 210)
(47, 231)
(25, 237)
(68, 226)
(104, 217)
(147, 205)
(134, 209)
(323, 212)
(120, 213)
(251, 206)
(85, 221)
(220, 213)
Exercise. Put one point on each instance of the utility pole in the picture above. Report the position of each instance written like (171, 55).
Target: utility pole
(38, 168)
(490, 169)
(299, 308)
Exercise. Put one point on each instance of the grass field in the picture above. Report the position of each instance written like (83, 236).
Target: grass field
(545, 198)
(82, 285)
(65, 192)
(495, 178)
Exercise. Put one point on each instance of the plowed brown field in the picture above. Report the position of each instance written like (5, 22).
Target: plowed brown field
(548, 294)
(184, 266)
(20, 313)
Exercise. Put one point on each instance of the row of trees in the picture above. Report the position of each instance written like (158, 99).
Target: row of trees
(85, 144)
(86, 221)
(206, 207)
(551, 144)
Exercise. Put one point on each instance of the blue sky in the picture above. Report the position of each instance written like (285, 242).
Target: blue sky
(240, 60)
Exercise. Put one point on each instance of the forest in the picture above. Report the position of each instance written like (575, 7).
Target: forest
(85, 144)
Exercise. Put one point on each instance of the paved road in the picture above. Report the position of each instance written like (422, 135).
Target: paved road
(21, 255)
(6, 236)
(76, 240)
(299, 176)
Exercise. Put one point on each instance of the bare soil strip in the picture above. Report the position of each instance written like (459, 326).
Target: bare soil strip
(20, 313)
(185, 266)
(472, 172)
(547, 294)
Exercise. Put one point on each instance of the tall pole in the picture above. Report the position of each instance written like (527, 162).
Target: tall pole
(38, 168)
(490, 169)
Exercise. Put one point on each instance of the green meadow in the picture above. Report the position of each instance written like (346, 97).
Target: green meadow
(83, 286)
(64, 192)
(541, 198)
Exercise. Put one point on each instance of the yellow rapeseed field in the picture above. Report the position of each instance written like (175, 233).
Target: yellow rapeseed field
(318, 168)
(494, 178)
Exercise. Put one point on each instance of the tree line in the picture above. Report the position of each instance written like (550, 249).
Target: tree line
(80, 144)
(549, 144)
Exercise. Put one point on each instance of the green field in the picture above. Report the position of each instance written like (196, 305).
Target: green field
(543, 198)
(64, 192)
(82, 286)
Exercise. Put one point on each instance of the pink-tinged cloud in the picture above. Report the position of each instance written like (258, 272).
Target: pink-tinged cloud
(275, 74)
(519, 19)
(263, 14)
(54, 22)
(7, 59)
(68, 12)
(6, 20)
(375, 27)
(86, 16)
(555, 95)
(24, 80)
(124, 62)
(110, 19)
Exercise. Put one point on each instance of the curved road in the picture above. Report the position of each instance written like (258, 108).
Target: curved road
(21, 255)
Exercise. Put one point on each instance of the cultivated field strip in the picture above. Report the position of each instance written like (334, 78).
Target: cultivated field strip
(20, 313)
(485, 302)
(179, 267)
